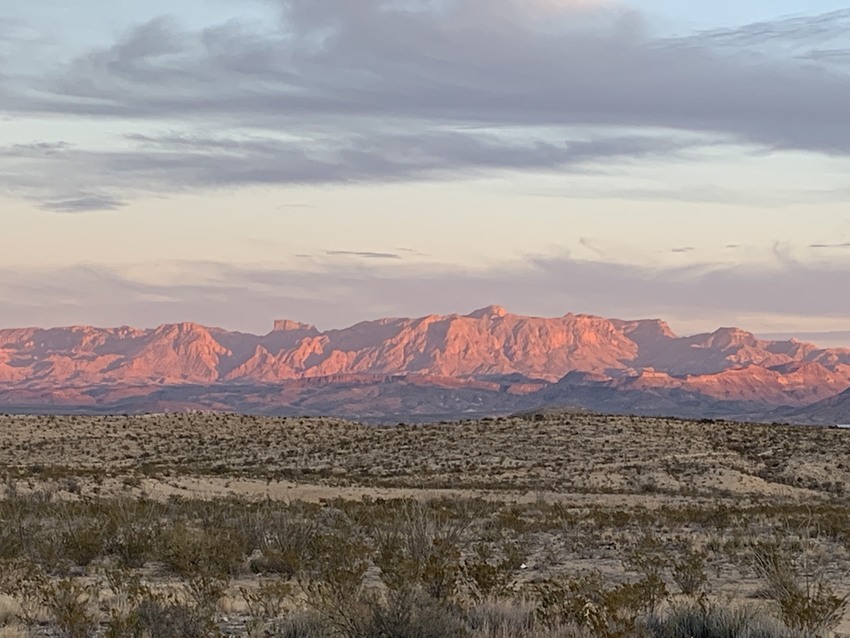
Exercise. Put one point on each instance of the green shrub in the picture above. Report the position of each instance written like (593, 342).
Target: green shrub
(133, 530)
(688, 572)
(25, 582)
(333, 584)
(73, 607)
(190, 552)
(421, 545)
(490, 578)
(70, 605)
(82, 540)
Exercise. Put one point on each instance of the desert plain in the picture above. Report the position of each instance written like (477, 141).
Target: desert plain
(547, 523)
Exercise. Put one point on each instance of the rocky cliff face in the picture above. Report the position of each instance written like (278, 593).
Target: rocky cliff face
(491, 347)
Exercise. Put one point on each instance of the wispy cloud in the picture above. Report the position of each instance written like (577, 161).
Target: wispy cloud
(363, 254)
(175, 163)
(34, 149)
(337, 294)
(84, 203)
(376, 90)
(845, 244)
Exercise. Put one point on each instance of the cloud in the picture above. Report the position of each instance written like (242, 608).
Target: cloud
(708, 194)
(362, 254)
(34, 149)
(378, 90)
(249, 297)
(411, 252)
(789, 36)
(84, 203)
(172, 163)
(836, 245)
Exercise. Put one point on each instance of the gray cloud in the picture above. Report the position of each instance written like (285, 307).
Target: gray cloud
(176, 162)
(361, 253)
(791, 37)
(336, 294)
(411, 252)
(84, 203)
(34, 149)
(836, 245)
(376, 90)
(829, 55)
(380, 156)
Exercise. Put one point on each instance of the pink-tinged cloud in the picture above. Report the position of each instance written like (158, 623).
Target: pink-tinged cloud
(334, 292)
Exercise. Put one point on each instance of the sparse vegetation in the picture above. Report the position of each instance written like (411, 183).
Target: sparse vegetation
(570, 542)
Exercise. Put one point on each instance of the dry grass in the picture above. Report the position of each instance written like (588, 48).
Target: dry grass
(545, 525)
(560, 454)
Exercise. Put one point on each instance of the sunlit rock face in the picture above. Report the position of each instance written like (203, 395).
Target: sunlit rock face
(514, 353)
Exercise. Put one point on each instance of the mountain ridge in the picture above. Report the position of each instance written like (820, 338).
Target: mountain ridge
(488, 350)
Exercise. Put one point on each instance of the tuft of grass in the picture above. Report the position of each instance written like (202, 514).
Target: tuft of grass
(806, 600)
(708, 621)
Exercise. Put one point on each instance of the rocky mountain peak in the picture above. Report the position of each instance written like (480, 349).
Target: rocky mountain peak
(488, 345)
(489, 312)
(287, 325)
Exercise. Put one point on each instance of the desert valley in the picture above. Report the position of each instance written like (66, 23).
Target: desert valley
(250, 383)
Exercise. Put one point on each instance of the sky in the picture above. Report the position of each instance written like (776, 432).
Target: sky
(332, 161)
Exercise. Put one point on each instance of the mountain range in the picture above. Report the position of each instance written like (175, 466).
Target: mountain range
(487, 362)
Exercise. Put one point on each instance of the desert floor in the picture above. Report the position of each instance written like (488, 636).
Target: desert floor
(524, 503)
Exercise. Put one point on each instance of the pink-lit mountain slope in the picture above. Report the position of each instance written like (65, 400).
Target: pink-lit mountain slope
(489, 350)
